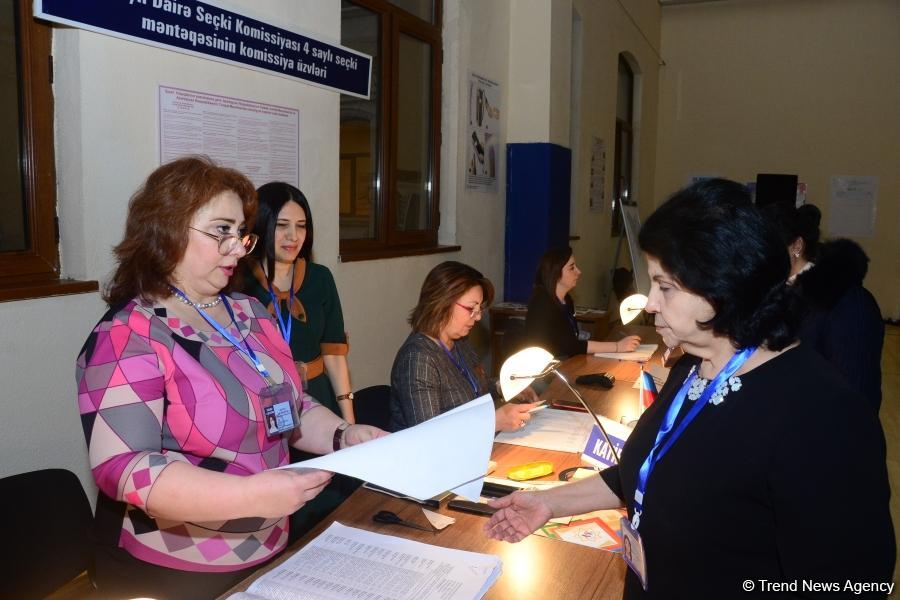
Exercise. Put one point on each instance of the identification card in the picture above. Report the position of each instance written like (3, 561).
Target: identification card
(279, 409)
(633, 551)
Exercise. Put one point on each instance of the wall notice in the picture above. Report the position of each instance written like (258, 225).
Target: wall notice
(851, 211)
(204, 29)
(483, 140)
(260, 140)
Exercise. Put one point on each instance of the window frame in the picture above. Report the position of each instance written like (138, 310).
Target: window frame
(34, 271)
(389, 241)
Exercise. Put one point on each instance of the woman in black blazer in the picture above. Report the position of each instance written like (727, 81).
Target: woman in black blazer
(550, 322)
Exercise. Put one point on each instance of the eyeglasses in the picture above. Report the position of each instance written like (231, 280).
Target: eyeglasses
(474, 311)
(230, 242)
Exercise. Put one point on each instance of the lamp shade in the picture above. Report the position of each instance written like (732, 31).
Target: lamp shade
(631, 307)
(520, 369)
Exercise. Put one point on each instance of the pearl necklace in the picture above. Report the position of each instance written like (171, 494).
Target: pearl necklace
(185, 300)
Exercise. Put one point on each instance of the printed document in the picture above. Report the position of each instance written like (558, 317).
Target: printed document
(642, 354)
(552, 429)
(424, 460)
(348, 563)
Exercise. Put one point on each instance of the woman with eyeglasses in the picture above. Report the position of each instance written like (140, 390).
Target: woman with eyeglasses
(189, 398)
(436, 369)
(550, 322)
(754, 446)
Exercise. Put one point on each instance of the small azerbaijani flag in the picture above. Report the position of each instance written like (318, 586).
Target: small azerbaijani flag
(648, 389)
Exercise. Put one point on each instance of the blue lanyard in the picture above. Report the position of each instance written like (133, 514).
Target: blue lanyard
(571, 317)
(241, 345)
(461, 367)
(666, 437)
(284, 325)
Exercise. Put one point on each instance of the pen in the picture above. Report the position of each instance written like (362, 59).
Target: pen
(537, 408)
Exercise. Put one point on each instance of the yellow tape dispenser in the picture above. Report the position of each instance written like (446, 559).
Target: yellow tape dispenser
(530, 470)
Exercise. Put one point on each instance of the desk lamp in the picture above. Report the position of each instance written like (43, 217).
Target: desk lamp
(631, 307)
(523, 367)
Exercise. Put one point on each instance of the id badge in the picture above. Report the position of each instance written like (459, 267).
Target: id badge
(633, 551)
(279, 409)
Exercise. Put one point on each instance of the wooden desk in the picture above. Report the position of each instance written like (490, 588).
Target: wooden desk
(508, 317)
(536, 567)
(618, 402)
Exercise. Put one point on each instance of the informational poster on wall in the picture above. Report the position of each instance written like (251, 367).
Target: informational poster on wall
(597, 196)
(851, 211)
(483, 139)
(260, 140)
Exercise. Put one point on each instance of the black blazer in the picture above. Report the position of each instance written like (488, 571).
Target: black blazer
(547, 325)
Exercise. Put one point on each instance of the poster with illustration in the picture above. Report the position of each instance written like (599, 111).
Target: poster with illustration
(483, 134)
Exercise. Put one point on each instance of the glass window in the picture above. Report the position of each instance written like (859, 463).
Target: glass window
(424, 9)
(13, 217)
(389, 154)
(360, 119)
(414, 121)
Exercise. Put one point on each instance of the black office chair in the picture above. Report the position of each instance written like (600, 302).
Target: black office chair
(370, 405)
(47, 523)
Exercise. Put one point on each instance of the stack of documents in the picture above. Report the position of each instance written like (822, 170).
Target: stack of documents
(345, 562)
(642, 354)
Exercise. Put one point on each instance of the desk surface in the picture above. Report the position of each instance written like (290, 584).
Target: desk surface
(536, 567)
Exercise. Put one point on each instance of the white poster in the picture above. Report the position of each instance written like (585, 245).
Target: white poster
(483, 139)
(597, 196)
(260, 140)
(852, 208)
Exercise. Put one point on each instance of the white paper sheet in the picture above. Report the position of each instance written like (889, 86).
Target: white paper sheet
(448, 452)
(552, 429)
(851, 211)
(345, 562)
(642, 354)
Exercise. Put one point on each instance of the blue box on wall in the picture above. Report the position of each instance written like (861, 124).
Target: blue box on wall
(538, 184)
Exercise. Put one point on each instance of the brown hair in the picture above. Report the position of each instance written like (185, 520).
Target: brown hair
(442, 287)
(159, 214)
(549, 270)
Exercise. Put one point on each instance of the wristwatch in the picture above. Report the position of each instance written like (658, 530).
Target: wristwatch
(347, 396)
(339, 436)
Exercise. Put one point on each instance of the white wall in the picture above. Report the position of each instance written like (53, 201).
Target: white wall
(107, 143)
(808, 87)
(609, 31)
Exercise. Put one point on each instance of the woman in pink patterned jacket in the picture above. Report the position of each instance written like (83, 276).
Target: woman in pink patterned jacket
(179, 386)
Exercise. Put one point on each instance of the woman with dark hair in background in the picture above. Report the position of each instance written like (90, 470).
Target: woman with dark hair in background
(436, 369)
(550, 322)
(303, 298)
(301, 294)
(753, 444)
(844, 322)
(176, 384)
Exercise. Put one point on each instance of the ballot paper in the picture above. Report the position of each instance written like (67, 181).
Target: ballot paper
(642, 354)
(424, 460)
(345, 562)
(552, 429)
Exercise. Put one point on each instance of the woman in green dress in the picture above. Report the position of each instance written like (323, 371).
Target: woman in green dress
(304, 300)
(300, 294)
